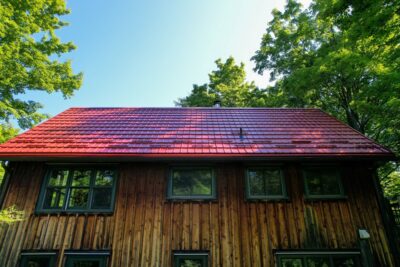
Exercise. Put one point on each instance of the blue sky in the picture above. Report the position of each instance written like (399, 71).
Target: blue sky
(148, 53)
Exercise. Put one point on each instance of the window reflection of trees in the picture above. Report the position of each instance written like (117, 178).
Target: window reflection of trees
(191, 182)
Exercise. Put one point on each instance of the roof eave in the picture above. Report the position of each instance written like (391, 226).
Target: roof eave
(206, 156)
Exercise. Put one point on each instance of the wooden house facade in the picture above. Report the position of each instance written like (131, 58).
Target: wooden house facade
(108, 187)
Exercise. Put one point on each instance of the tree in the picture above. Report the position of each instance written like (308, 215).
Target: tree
(227, 84)
(341, 56)
(28, 50)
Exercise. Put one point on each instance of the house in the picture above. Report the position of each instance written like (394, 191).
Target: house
(195, 187)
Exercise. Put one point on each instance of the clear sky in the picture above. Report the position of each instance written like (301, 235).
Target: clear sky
(140, 53)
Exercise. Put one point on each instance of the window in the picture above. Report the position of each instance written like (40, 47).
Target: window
(322, 182)
(38, 259)
(86, 259)
(78, 190)
(265, 183)
(191, 183)
(313, 259)
(190, 259)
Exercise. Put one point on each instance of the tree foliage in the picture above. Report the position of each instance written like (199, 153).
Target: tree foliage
(341, 56)
(391, 185)
(11, 215)
(29, 60)
(30, 55)
(227, 84)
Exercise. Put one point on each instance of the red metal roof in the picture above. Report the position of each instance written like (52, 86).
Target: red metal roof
(191, 132)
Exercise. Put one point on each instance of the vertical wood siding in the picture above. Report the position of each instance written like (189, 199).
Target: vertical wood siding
(145, 228)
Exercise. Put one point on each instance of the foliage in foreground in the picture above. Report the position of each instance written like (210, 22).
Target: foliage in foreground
(30, 60)
(11, 215)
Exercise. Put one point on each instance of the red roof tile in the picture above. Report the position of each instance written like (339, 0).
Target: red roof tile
(194, 132)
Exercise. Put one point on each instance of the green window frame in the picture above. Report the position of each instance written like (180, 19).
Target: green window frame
(184, 185)
(264, 174)
(318, 258)
(190, 259)
(76, 258)
(317, 180)
(38, 259)
(78, 189)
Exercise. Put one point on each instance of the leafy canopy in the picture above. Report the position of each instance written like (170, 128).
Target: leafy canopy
(29, 60)
(341, 56)
(30, 55)
(227, 84)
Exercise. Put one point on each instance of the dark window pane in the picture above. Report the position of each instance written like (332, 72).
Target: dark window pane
(330, 183)
(58, 178)
(104, 178)
(344, 262)
(78, 198)
(323, 182)
(273, 182)
(190, 263)
(81, 178)
(265, 182)
(256, 183)
(318, 262)
(291, 263)
(54, 198)
(192, 182)
(36, 262)
(86, 263)
(101, 198)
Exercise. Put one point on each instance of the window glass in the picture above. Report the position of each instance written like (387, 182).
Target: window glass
(78, 189)
(38, 260)
(58, 178)
(81, 178)
(190, 259)
(292, 263)
(55, 198)
(318, 262)
(89, 260)
(256, 183)
(78, 198)
(344, 261)
(104, 178)
(265, 183)
(322, 182)
(319, 259)
(190, 263)
(101, 198)
(86, 263)
(189, 183)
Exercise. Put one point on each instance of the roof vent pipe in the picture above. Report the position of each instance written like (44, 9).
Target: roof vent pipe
(217, 103)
